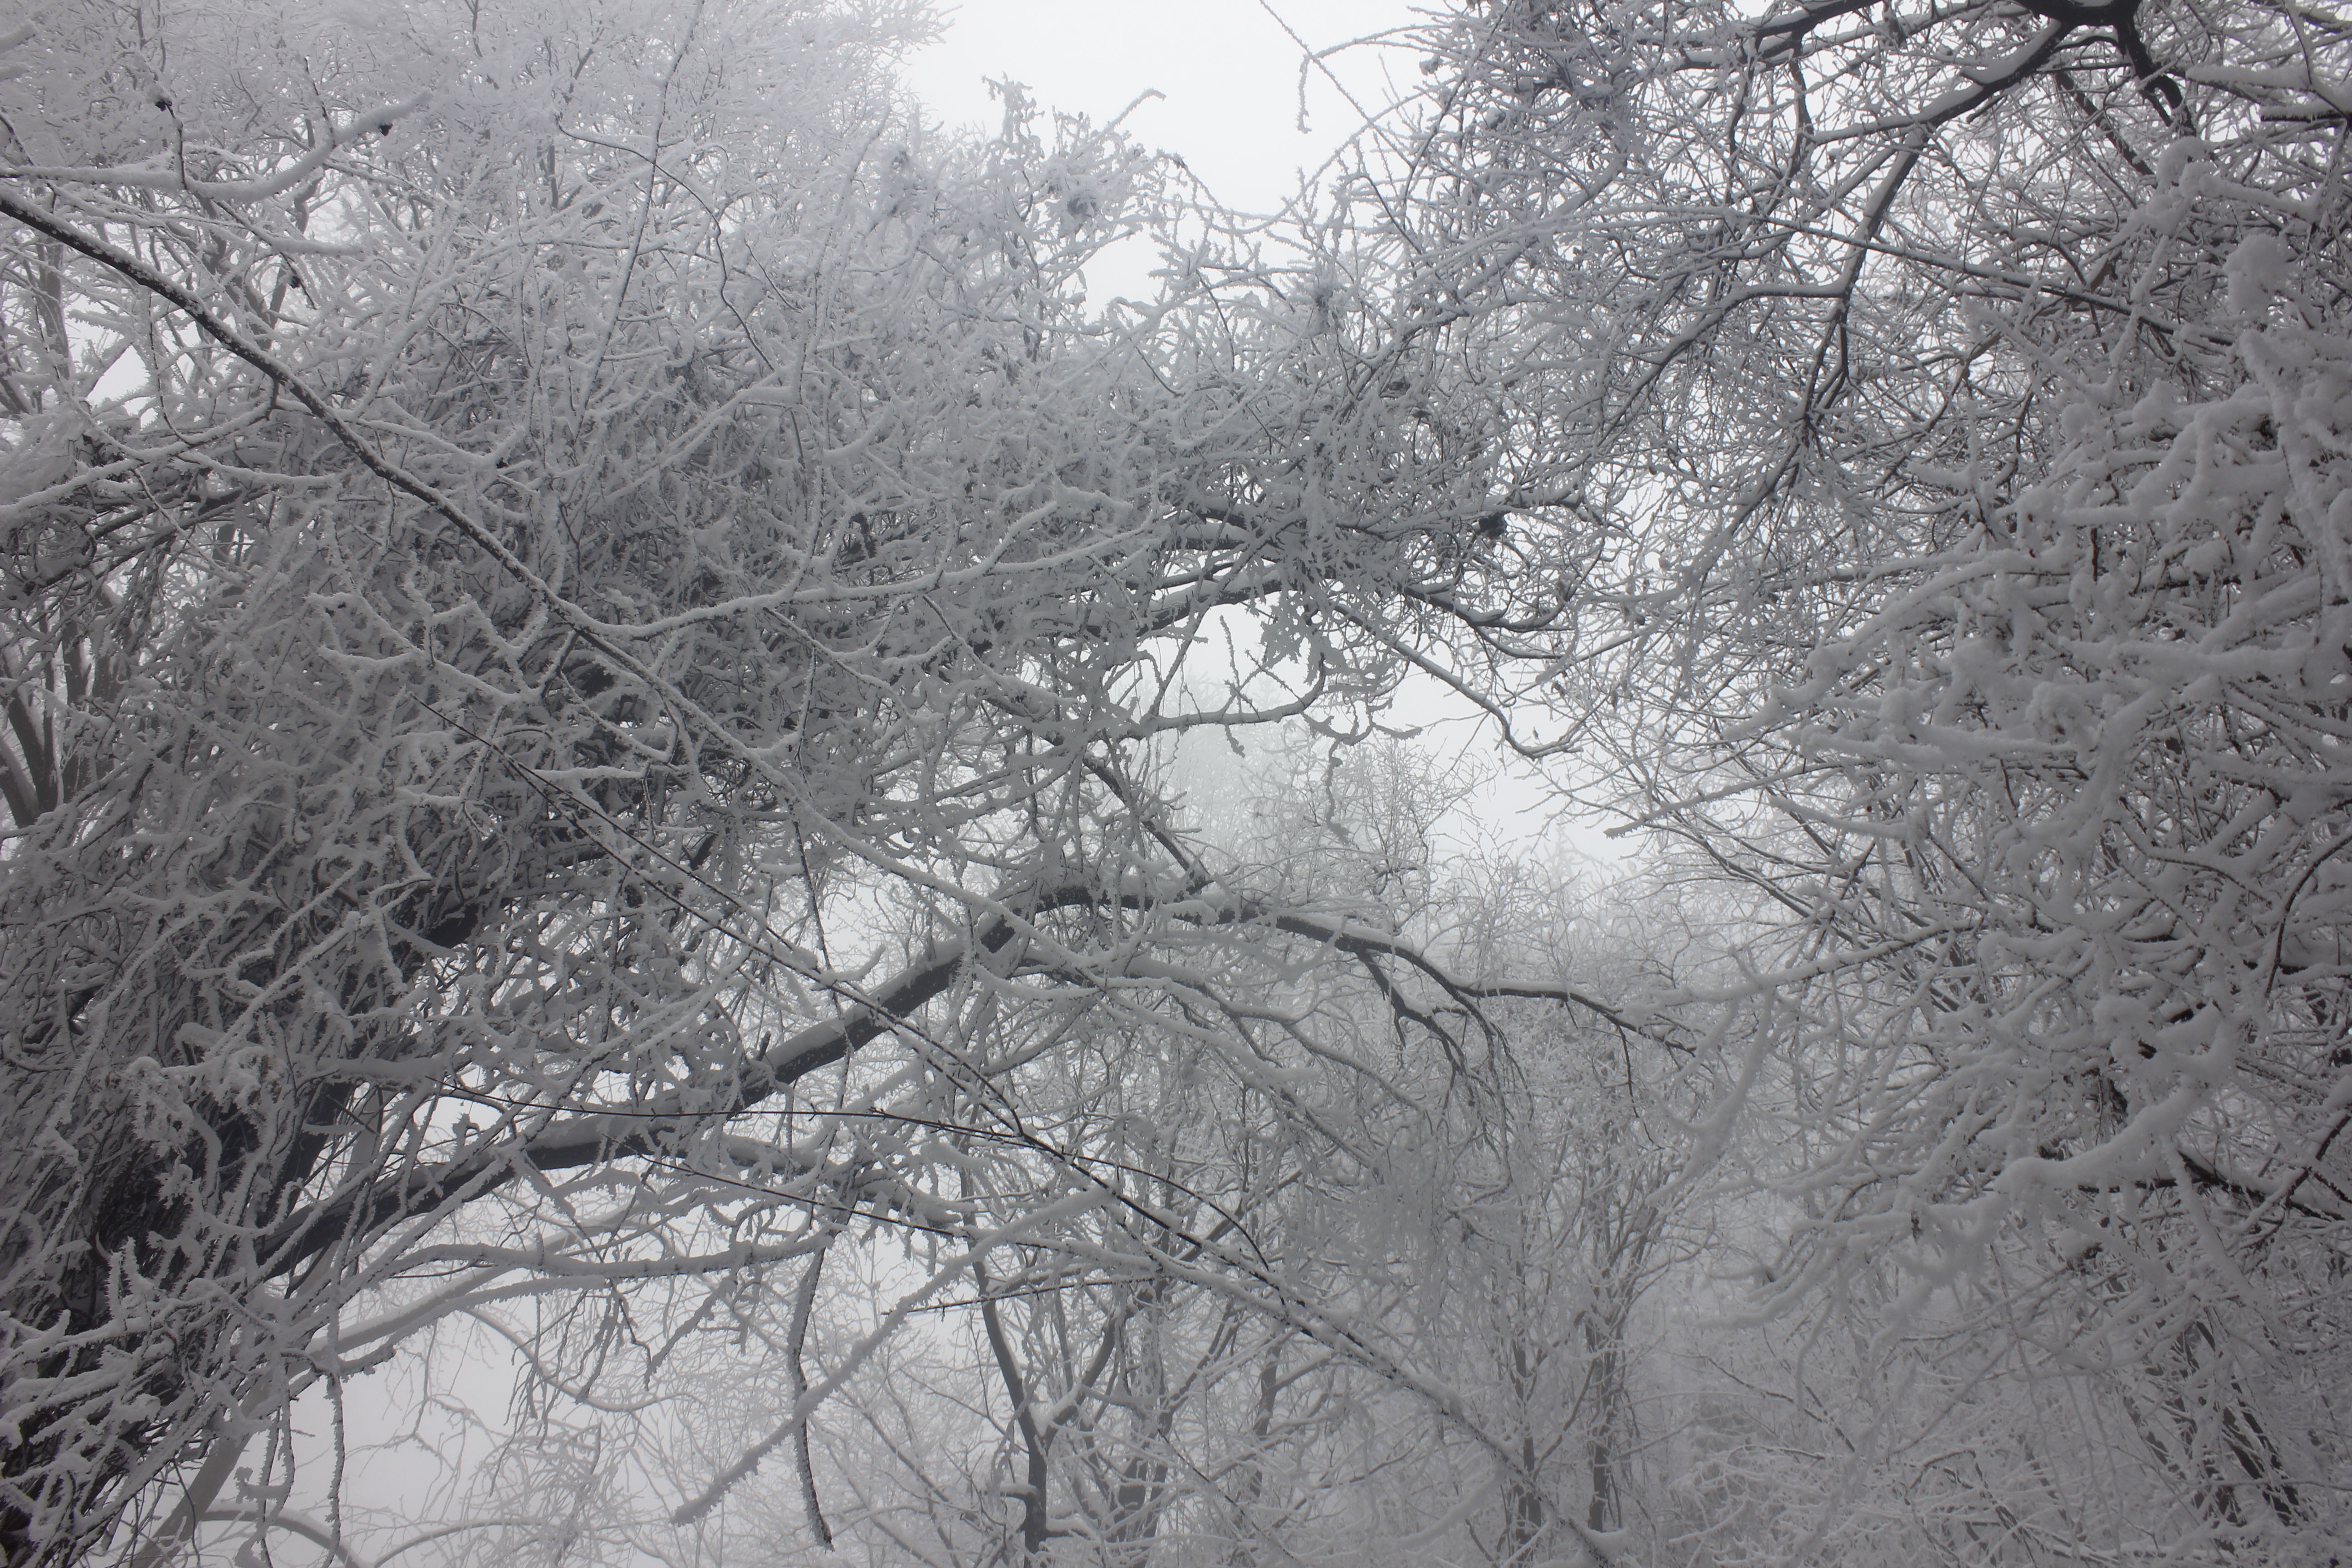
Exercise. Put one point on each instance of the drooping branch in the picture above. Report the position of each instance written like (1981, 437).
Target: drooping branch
(593, 1137)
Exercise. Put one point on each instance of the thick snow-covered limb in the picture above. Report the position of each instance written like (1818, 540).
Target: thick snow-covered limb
(293, 1521)
(591, 1138)
(172, 173)
(196, 1502)
(574, 1138)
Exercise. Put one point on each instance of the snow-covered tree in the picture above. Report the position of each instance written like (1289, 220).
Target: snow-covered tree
(1956, 400)
(571, 578)
(593, 628)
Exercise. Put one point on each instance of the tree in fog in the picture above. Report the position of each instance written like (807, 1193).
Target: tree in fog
(572, 579)
(592, 634)
(1955, 400)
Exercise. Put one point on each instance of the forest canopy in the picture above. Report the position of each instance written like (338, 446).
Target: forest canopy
(696, 868)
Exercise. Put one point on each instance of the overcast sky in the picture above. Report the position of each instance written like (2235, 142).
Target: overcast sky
(1229, 69)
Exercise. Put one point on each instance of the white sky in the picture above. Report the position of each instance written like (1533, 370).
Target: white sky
(1229, 69)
